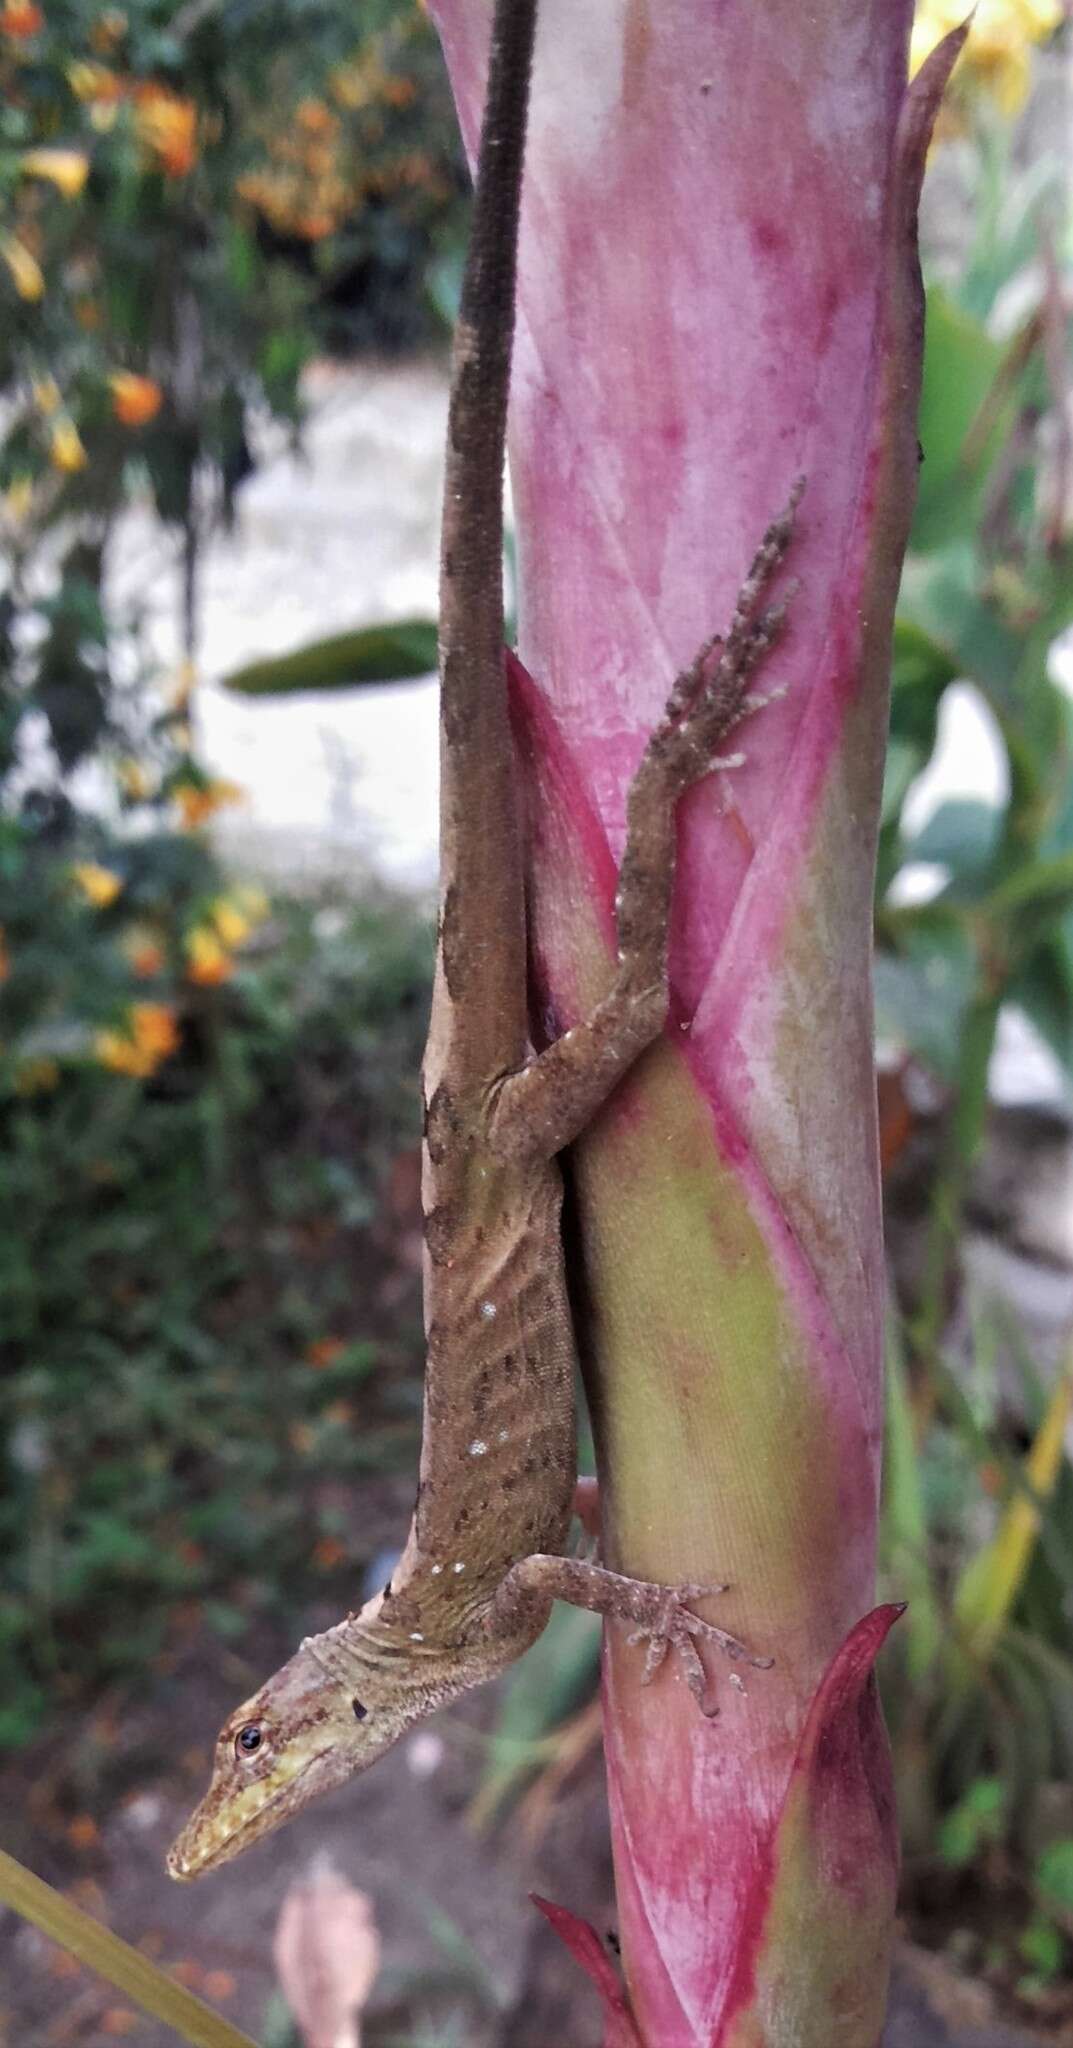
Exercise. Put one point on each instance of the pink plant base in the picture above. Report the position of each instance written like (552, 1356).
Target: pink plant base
(719, 292)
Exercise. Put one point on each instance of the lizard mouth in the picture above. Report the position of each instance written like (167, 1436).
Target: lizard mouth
(199, 1848)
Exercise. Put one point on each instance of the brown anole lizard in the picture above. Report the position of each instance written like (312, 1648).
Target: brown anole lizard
(484, 1559)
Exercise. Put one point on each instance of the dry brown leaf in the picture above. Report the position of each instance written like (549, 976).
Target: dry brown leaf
(327, 1952)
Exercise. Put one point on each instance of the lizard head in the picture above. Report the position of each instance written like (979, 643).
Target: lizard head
(306, 1731)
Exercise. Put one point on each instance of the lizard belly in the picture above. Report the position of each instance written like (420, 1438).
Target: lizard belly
(498, 1456)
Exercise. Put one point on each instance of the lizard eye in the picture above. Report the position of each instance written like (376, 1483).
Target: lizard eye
(359, 1711)
(248, 1740)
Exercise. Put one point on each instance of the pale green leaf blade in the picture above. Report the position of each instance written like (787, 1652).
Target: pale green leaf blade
(115, 1960)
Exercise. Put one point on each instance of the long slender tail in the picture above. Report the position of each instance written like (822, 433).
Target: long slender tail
(482, 903)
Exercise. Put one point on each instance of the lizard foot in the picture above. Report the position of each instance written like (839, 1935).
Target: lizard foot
(662, 1617)
(713, 695)
(674, 1626)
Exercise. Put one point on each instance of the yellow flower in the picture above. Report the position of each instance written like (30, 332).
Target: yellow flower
(996, 56)
(18, 499)
(208, 962)
(150, 1036)
(46, 395)
(66, 447)
(135, 781)
(93, 81)
(200, 800)
(67, 169)
(135, 400)
(26, 272)
(100, 886)
(231, 926)
(36, 1076)
(252, 902)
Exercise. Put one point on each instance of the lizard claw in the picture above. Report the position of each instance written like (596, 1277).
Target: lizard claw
(675, 1626)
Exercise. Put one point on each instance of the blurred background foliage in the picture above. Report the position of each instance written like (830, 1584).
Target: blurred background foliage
(208, 1100)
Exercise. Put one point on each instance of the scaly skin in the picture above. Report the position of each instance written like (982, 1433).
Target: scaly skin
(484, 1558)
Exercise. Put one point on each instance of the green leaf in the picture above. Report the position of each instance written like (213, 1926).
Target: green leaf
(962, 835)
(924, 988)
(114, 1960)
(1041, 1945)
(1054, 1875)
(1043, 989)
(1032, 901)
(543, 1688)
(978, 1818)
(403, 652)
(960, 366)
(905, 1519)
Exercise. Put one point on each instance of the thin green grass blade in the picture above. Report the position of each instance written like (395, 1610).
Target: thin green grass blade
(115, 1960)
(905, 1521)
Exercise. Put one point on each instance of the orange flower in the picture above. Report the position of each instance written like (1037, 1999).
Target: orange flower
(167, 125)
(209, 963)
(135, 400)
(20, 19)
(314, 227)
(316, 118)
(200, 800)
(150, 1037)
(324, 1351)
(328, 1553)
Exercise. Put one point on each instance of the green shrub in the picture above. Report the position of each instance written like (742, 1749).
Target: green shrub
(186, 1270)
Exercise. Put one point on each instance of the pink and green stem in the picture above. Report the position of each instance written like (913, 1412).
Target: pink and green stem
(719, 293)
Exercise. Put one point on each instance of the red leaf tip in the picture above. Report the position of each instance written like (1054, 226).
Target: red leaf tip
(587, 1949)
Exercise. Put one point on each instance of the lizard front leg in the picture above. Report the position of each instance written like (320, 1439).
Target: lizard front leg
(662, 1616)
(543, 1107)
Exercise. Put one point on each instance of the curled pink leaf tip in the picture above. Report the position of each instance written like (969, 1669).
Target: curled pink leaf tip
(586, 1947)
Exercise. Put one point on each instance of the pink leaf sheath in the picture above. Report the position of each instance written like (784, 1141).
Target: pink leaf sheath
(719, 292)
